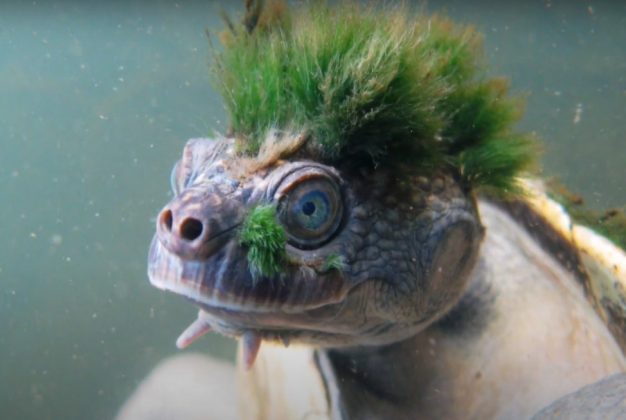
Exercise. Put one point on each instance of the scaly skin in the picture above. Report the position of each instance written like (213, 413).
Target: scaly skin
(406, 244)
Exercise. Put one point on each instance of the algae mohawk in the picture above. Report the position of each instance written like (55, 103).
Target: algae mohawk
(383, 86)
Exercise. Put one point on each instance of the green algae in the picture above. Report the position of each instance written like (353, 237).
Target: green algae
(334, 262)
(383, 86)
(610, 223)
(265, 240)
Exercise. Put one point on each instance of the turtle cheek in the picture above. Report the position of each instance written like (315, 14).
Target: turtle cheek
(417, 287)
(453, 259)
(447, 257)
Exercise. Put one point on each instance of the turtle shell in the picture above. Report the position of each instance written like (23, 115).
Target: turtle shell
(597, 263)
(287, 382)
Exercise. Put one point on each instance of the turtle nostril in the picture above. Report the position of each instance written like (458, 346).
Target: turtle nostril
(191, 228)
(166, 219)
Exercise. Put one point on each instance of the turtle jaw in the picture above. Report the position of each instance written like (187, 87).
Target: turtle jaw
(324, 311)
(235, 302)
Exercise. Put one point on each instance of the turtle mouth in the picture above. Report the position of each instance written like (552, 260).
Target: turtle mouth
(233, 302)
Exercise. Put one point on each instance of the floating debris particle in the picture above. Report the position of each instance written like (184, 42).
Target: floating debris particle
(578, 113)
(56, 239)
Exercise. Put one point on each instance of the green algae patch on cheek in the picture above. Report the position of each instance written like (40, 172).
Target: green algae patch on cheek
(265, 240)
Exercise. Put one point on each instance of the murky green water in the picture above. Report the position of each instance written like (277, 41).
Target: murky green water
(96, 101)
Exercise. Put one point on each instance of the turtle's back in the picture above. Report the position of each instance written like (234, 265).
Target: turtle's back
(597, 263)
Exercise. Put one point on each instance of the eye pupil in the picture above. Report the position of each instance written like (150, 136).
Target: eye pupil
(308, 208)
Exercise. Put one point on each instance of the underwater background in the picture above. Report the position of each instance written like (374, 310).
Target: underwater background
(97, 100)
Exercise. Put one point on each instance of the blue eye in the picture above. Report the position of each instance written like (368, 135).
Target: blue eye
(312, 209)
(311, 212)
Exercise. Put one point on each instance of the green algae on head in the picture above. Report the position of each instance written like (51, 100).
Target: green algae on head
(383, 86)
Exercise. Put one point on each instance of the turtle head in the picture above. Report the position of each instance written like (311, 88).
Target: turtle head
(300, 250)
(339, 208)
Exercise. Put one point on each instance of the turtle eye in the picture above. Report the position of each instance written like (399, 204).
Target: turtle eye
(311, 212)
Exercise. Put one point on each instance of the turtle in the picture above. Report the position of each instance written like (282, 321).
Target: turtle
(371, 228)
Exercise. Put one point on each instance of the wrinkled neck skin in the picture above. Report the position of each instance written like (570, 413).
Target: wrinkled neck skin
(521, 336)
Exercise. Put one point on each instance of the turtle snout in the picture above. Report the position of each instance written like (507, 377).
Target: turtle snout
(193, 228)
(188, 229)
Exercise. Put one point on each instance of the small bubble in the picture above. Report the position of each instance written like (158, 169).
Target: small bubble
(56, 239)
